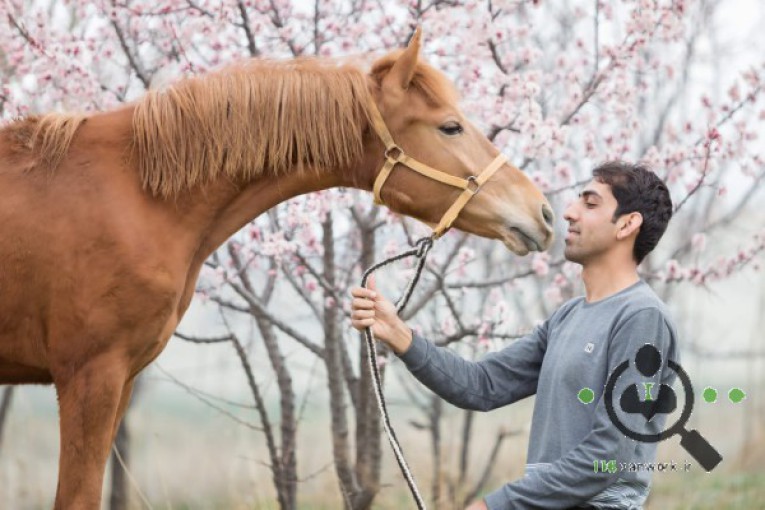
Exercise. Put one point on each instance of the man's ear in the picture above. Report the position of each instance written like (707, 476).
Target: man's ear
(629, 224)
(400, 75)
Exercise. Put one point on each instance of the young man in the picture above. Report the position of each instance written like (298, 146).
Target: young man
(618, 218)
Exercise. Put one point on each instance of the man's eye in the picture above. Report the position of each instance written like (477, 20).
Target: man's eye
(451, 129)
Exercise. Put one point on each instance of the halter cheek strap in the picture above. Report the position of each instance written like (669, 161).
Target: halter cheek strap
(395, 155)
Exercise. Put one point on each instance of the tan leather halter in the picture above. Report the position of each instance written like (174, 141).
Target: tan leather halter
(394, 154)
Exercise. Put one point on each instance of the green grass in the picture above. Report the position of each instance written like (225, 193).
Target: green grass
(702, 491)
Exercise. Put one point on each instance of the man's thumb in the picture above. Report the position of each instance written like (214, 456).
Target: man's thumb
(371, 283)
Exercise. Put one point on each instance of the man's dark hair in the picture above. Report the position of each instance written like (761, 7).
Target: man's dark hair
(638, 189)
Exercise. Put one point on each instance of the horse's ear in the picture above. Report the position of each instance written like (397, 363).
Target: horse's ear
(400, 75)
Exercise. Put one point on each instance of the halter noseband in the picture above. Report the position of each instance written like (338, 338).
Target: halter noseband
(395, 154)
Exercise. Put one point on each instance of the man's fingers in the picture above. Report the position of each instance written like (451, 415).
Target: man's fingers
(366, 304)
(362, 323)
(361, 292)
(363, 314)
(363, 307)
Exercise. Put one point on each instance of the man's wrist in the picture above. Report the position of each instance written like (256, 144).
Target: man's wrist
(402, 339)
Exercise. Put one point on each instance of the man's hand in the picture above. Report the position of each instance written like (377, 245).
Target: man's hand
(478, 505)
(369, 308)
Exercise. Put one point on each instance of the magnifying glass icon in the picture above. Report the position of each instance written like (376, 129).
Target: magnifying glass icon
(693, 442)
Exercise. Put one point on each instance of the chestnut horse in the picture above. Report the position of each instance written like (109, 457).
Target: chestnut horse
(107, 218)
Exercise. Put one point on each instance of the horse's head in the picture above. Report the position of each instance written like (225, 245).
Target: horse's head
(418, 106)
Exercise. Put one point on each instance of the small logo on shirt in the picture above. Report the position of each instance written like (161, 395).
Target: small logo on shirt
(589, 347)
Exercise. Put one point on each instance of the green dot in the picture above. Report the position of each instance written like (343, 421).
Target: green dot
(586, 395)
(736, 395)
(710, 395)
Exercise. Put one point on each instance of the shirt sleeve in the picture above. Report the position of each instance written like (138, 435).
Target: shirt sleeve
(572, 479)
(498, 379)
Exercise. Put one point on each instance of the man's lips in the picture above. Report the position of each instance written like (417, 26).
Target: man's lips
(571, 233)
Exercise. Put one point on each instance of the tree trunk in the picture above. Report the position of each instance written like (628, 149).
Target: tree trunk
(288, 458)
(368, 453)
(120, 490)
(341, 447)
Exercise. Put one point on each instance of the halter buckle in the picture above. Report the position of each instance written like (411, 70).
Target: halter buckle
(394, 148)
(475, 188)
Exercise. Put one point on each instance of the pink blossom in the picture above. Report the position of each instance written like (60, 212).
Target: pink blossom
(539, 263)
(448, 326)
(538, 178)
(699, 241)
(464, 256)
(734, 93)
(553, 295)
(673, 269)
(500, 312)
(391, 248)
(563, 172)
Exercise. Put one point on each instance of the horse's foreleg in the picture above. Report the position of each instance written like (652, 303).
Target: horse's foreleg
(89, 400)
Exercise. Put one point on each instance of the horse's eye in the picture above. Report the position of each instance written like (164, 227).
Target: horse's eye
(451, 129)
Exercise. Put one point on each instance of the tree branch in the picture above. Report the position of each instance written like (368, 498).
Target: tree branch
(257, 309)
(134, 64)
(489, 466)
(251, 46)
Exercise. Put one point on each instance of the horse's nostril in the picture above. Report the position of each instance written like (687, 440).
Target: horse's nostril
(547, 214)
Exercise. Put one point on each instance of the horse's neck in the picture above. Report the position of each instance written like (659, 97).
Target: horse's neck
(228, 210)
(214, 213)
(235, 209)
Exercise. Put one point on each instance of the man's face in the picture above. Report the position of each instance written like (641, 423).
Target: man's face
(591, 233)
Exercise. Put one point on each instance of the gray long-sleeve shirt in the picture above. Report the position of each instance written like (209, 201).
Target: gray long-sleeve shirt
(577, 347)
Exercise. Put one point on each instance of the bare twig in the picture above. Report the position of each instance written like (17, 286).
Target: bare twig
(489, 466)
(204, 340)
(251, 46)
(698, 184)
(500, 280)
(257, 308)
(195, 393)
(135, 65)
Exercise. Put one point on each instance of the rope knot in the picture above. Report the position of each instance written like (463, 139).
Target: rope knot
(423, 245)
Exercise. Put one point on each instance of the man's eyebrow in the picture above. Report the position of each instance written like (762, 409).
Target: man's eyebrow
(589, 193)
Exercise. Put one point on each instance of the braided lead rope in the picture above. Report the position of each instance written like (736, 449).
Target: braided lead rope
(422, 247)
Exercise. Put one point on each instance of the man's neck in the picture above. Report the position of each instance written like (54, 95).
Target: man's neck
(607, 277)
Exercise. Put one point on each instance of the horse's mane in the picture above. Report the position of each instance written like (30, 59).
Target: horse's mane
(260, 117)
(48, 136)
(250, 119)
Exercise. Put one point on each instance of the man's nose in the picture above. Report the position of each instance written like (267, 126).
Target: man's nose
(568, 214)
